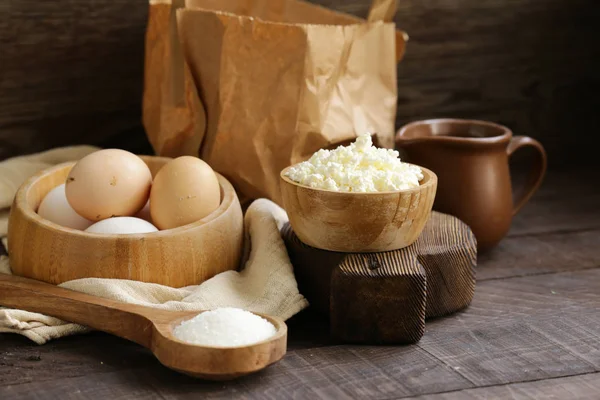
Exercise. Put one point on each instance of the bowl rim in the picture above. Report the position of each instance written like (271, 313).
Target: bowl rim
(431, 181)
(20, 203)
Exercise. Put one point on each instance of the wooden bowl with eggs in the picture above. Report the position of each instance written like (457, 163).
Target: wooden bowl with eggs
(358, 221)
(182, 256)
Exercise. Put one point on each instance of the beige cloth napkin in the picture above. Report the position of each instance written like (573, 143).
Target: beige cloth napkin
(266, 284)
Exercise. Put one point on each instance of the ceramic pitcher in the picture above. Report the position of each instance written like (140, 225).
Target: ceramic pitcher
(471, 160)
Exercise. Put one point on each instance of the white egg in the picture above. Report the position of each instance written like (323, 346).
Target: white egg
(120, 225)
(57, 209)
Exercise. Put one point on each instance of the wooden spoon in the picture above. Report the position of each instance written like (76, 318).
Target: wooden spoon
(152, 328)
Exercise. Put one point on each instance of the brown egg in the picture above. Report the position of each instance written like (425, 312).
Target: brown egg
(108, 183)
(185, 190)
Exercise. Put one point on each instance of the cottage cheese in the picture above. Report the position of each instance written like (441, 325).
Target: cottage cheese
(359, 167)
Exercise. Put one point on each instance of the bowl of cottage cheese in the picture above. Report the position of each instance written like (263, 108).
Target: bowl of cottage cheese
(358, 198)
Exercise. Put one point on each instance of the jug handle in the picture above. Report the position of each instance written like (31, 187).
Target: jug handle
(536, 175)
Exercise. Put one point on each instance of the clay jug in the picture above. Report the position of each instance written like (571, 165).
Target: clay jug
(471, 160)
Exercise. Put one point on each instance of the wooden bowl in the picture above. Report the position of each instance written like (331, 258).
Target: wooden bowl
(183, 256)
(358, 222)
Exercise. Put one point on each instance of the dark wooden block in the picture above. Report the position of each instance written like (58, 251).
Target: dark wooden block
(376, 299)
(447, 250)
(386, 297)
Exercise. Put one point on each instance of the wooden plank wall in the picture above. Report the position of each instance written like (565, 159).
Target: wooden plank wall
(71, 71)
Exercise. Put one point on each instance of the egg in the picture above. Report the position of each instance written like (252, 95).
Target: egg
(55, 207)
(121, 225)
(144, 213)
(185, 190)
(108, 183)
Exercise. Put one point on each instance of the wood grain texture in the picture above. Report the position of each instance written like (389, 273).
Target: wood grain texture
(493, 346)
(385, 297)
(367, 293)
(23, 361)
(121, 385)
(584, 387)
(177, 257)
(71, 72)
(146, 326)
(525, 346)
(566, 202)
(522, 63)
(340, 372)
(523, 329)
(541, 254)
(519, 332)
(337, 221)
(301, 375)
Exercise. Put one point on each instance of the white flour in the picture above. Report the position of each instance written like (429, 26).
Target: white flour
(225, 327)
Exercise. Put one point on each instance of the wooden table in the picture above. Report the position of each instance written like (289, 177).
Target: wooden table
(532, 331)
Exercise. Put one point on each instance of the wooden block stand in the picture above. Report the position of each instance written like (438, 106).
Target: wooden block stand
(386, 297)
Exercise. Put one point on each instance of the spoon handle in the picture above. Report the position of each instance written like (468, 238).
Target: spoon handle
(128, 321)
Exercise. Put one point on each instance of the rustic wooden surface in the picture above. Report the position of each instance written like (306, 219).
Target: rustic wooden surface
(532, 331)
(375, 298)
(72, 71)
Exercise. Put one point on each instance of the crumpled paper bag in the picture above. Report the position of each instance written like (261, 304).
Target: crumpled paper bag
(253, 86)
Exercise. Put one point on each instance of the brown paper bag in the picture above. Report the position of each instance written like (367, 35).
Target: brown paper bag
(252, 86)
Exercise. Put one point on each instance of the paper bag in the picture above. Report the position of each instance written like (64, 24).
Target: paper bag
(253, 86)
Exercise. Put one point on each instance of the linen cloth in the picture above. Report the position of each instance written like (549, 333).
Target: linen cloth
(266, 284)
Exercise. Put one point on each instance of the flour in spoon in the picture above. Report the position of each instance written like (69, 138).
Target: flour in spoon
(225, 327)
